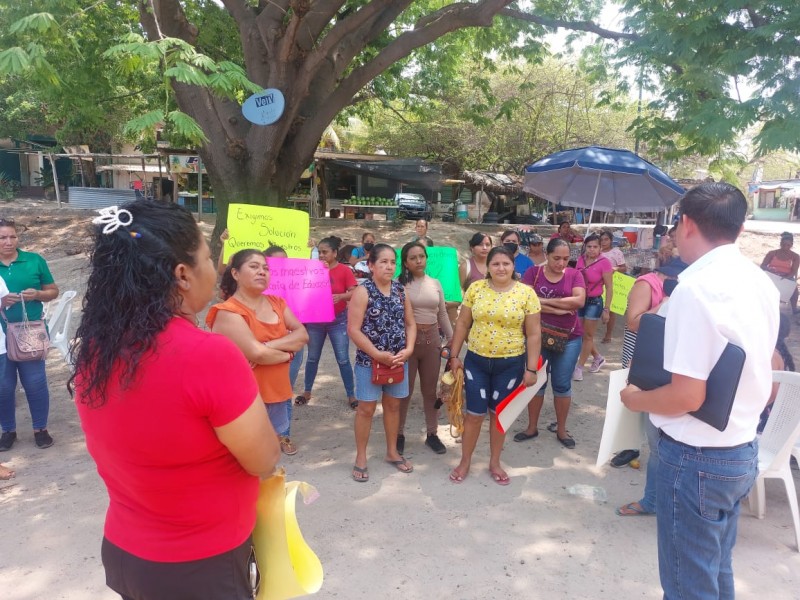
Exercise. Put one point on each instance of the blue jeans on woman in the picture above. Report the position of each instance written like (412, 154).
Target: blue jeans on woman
(336, 330)
(560, 366)
(34, 381)
(697, 512)
(648, 501)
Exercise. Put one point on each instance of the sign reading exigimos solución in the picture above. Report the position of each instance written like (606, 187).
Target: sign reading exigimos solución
(259, 227)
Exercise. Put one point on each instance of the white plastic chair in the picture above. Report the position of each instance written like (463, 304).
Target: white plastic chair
(58, 322)
(776, 444)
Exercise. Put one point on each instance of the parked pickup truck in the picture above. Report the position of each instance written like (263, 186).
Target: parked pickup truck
(413, 206)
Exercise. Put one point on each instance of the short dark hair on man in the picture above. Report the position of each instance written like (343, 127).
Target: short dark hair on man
(718, 208)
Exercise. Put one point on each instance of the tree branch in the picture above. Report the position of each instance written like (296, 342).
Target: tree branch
(588, 26)
(171, 18)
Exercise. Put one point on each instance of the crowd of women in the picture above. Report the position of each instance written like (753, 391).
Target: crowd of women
(195, 441)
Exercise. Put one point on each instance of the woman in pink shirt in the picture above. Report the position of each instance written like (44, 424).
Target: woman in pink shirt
(597, 271)
(617, 259)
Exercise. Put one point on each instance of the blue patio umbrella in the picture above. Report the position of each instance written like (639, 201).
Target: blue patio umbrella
(607, 179)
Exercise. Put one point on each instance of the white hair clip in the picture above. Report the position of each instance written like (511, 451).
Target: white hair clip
(113, 218)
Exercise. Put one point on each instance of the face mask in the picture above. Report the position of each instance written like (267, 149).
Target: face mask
(511, 247)
(368, 246)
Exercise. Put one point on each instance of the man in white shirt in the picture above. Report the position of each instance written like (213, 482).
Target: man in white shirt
(703, 473)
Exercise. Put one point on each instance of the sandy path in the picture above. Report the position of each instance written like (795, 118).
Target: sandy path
(397, 536)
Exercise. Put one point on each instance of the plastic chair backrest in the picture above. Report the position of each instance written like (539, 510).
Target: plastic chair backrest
(783, 426)
(58, 321)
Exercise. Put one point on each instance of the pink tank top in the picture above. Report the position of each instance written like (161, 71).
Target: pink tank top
(656, 287)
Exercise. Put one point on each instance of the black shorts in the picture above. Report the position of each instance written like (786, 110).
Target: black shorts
(225, 575)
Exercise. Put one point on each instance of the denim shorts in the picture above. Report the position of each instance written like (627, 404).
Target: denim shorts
(487, 381)
(366, 391)
(593, 309)
(560, 366)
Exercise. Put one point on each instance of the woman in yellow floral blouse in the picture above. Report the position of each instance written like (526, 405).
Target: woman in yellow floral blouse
(499, 319)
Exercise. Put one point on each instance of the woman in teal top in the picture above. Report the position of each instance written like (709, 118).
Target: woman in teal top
(28, 278)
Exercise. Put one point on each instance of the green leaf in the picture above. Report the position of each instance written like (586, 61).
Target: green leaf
(14, 61)
(187, 126)
(187, 74)
(35, 23)
(144, 122)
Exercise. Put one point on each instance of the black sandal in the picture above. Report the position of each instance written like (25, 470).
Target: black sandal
(300, 401)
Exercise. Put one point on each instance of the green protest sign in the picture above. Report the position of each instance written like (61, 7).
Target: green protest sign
(442, 265)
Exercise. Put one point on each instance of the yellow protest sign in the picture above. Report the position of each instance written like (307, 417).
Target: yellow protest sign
(622, 285)
(252, 226)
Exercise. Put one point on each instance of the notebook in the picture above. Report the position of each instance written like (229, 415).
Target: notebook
(647, 372)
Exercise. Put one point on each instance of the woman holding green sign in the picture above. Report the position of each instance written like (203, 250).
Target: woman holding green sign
(430, 315)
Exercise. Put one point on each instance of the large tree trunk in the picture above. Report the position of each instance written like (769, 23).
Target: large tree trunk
(307, 54)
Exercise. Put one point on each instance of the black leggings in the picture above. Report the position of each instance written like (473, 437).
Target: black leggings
(225, 575)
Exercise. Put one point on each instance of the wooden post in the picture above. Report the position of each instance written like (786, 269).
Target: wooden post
(55, 179)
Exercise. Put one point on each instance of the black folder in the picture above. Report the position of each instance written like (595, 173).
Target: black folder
(647, 372)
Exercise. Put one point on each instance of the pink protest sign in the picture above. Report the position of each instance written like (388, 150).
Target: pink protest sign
(305, 285)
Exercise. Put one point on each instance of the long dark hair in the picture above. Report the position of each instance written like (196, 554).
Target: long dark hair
(131, 293)
(333, 242)
(494, 252)
(477, 239)
(406, 276)
(228, 284)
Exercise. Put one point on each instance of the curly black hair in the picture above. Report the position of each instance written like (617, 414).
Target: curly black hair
(228, 284)
(131, 294)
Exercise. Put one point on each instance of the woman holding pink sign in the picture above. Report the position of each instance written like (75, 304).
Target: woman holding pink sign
(343, 282)
(266, 331)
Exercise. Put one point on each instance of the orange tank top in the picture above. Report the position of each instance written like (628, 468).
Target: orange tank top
(273, 380)
(779, 266)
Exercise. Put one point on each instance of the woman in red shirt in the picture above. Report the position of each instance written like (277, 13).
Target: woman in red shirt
(171, 413)
(343, 282)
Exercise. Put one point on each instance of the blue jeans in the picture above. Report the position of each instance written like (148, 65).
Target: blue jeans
(336, 330)
(34, 380)
(560, 367)
(280, 415)
(697, 512)
(592, 310)
(294, 367)
(648, 501)
(487, 381)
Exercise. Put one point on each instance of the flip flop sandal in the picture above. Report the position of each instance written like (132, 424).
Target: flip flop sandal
(553, 427)
(631, 510)
(455, 477)
(398, 464)
(567, 442)
(499, 479)
(523, 436)
(300, 401)
(363, 474)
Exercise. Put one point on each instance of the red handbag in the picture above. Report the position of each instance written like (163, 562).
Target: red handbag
(383, 375)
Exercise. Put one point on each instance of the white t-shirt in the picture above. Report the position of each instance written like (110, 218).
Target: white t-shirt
(3, 292)
(722, 297)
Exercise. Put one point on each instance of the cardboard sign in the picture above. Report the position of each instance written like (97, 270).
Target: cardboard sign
(305, 284)
(622, 285)
(259, 227)
(622, 429)
(510, 408)
(443, 266)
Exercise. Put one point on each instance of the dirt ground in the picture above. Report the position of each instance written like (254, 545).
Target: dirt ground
(397, 536)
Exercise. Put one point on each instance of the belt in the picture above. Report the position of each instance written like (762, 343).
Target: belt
(701, 448)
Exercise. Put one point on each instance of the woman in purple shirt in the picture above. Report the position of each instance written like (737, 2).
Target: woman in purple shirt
(561, 292)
